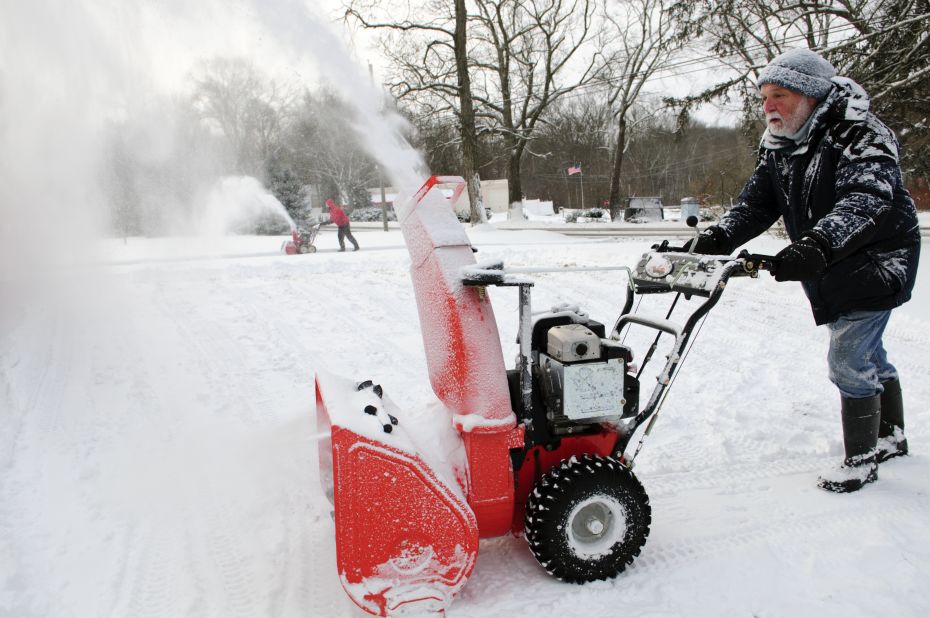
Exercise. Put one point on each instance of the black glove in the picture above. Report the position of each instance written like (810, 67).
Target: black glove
(711, 241)
(800, 261)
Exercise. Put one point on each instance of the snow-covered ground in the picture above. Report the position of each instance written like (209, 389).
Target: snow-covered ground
(158, 456)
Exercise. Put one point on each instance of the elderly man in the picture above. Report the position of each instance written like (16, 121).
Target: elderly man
(830, 168)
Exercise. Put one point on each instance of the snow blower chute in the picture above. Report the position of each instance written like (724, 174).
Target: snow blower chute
(544, 442)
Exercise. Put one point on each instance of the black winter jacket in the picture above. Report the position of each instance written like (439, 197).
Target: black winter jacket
(843, 188)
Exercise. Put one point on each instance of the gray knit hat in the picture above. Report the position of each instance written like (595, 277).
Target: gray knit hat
(800, 70)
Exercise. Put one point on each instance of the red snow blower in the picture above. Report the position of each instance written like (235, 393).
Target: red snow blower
(301, 241)
(545, 442)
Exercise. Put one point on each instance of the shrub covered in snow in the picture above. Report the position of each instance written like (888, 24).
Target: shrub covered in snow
(371, 214)
(465, 217)
(585, 216)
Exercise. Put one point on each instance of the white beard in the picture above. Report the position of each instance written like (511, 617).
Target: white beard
(793, 123)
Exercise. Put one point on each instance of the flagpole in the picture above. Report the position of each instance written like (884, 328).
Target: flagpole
(581, 174)
(568, 193)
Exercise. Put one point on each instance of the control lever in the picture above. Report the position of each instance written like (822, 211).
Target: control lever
(664, 247)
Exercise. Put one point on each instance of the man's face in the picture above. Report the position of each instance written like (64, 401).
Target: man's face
(786, 111)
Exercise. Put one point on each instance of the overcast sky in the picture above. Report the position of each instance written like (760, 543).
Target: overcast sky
(188, 35)
(156, 43)
(144, 45)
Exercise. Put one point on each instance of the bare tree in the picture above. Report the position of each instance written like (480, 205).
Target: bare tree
(529, 54)
(578, 128)
(467, 115)
(644, 41)
(523, 56)
(710, 163)
(324, 150)
(429, 52)
(246, 107)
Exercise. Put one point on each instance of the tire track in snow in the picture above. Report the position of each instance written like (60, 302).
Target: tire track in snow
(216, 357)
(837, 522)
(28, 374)
(310, 346)
(230, 565)
(154, 555)
(42, 410)
(219, 556)
(223, 559)
(682, 539)
(728, 476)
(153, 589)
(172, 535)
(131, 594)
(723, 366)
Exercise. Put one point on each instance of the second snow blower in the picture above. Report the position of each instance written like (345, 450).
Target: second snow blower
(302, 239)
(545, 442)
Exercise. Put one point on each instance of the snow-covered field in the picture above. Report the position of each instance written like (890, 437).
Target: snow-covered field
(158, 457)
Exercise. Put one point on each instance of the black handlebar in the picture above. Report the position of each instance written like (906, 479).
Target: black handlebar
(754, 262)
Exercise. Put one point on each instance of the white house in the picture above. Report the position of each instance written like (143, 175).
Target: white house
(494, 193)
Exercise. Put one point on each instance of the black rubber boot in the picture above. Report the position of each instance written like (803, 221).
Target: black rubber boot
(891, 440)
(861, 418)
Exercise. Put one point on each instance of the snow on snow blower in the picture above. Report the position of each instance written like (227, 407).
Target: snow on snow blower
(544, 442)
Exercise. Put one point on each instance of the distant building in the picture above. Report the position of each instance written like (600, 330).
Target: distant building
(493, 192)
(643, 209)
(541, 208)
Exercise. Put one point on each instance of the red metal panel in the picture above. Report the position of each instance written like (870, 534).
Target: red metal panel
(539, 461)
(405, 540)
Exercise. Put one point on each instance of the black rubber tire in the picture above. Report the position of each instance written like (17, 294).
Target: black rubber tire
(585, 492)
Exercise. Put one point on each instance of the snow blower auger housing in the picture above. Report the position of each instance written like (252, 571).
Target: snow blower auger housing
(544, 442)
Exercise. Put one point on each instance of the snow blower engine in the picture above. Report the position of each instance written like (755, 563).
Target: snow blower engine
(545, 442)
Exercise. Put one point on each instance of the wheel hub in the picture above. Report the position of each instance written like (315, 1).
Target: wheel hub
(595, 525)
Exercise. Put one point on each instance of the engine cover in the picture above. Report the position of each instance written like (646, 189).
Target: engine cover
(584, 392)
(571, 343)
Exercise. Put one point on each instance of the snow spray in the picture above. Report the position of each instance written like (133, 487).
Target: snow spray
(378, 129)
(49, 132)
(235, 203)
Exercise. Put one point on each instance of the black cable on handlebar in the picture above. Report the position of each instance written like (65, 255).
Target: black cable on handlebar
(625, 311)
(655, 343)
(671, 382)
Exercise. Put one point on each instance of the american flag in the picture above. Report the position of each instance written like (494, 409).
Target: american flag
(574, 170)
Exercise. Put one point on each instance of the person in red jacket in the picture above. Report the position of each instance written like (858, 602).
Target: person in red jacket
(339, 218)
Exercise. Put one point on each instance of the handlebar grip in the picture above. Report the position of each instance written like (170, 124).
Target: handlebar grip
(755, 262)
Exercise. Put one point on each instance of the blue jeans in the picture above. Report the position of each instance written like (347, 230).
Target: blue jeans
(857, 360)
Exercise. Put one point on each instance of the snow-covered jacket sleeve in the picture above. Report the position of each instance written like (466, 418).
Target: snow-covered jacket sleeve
(865, 177)
(756, 209)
